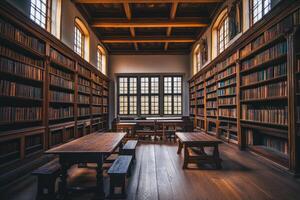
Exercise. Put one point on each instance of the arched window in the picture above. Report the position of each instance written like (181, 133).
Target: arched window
(223, 35)
(101, 59)
(259, 9)
(81, 39)
(220, 34)
(197, 59)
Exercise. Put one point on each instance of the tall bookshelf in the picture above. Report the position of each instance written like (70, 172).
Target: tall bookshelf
(200, 103)
(48, 93)
(256, 82)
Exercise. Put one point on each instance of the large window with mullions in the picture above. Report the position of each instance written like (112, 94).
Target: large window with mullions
(149, 95)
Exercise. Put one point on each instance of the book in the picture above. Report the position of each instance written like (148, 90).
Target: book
(61, 112)
(61, 82)
(9, 114)
(83, 99)
(227, 101)
(227, 112)
(83, 71)
(60, 59)
(56, 96)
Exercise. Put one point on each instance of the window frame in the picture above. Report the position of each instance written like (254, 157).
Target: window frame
(47, 14)
(76, 26)
(225, 34)
(101, 53)
(149, 95)
(173, 94)
(263, 12)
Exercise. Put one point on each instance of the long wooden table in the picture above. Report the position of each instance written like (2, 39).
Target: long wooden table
(199, 140)
(91, 148)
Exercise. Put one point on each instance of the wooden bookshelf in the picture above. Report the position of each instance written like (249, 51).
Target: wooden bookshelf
(48, 93)
(257, 86)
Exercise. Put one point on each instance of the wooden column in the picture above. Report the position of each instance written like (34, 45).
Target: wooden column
(240, 135)
(46, 84)
(293, 138)
(75, 99)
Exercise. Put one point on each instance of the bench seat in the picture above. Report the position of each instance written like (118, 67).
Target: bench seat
(129, 148)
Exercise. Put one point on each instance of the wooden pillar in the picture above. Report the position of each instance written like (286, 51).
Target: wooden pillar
(46, 98)
(293, 138)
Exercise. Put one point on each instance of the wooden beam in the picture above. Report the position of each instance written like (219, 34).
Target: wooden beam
(129, 16)
(146, 39)
(172, 17)
(147, 1)
(140, 23)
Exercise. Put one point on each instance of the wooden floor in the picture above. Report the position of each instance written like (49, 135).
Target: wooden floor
(158, 175)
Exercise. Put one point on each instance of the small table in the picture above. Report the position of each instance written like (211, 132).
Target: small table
(128, 127)
(200, 140)
(91, 148)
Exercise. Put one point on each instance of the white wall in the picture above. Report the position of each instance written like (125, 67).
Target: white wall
(148, 64)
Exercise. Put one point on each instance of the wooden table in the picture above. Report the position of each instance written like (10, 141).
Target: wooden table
(199, 140)
(128, 127)
(91, 148)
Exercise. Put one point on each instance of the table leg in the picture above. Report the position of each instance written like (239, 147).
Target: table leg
(99, 187)
(63, 191)
(180, 145)
(217, 157)
(186, 157)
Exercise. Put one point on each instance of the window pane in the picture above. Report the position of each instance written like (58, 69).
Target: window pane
(167, 85)
(154, 85)
(144, 105)
(123, 85)
(177, 105)
(123, 105)
(260, 8)
(168, 104)
(177, 85)
(38, 12)
(154, 105)
(144, 85)
(132, 105)
(78, 41)
(132, 85)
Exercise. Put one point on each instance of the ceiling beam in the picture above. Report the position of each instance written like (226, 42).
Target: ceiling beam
(147, 1)
(129, 16)
(147, 39)
(172, 17)
(148, 23)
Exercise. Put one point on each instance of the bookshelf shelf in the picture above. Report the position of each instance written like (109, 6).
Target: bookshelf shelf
(259, 83)
(19, 98)
(264, 123)
(264, 99)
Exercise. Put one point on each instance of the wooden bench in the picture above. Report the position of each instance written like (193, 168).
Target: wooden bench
(47, 175)
(129, 148)
(117, 173)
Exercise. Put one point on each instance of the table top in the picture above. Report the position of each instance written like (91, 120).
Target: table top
(105, 142)
(196, 137)
(126, 123)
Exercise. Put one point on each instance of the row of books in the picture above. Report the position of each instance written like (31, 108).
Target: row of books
(8, 88)
(56, 137)
(83, 111)
(97, 100)
(59, 58)
(227, 101)
(265, 74)
(96, 110)
(96, 79)
(83, 81)
(211, 95)
(200, 111)
(60, 112)
(105, 93)
(105, 110)
(96, 87)
(192, 96)
(83, 99)
(210, 82)
(33, 140)
(226, 82)
(200, 79)
(226, 112)
(211, 104)
(96, 92)
(20, 69)
(228, 61)
(57, 96)
(192, 103)
(266, 114)
(226, 91)
(200, 94)
(211, 88)
(84, 89)
(211, 72)
(69, 133)
(266, 91)
(10, 114)
(60, 73)
(258, 42)
(200, 101)
(200, 86)
(82, 70)
(9, 53)
(192, 111)
(269, 54)
(211, 113)
(105, 101)
(227, 72)
(275, 144)
(58, 81)
(8, 30)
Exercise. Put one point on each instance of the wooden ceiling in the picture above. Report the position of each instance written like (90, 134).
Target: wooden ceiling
(148, 26)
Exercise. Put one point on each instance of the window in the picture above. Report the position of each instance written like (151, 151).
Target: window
(223, 35)
(259, 9)
(101, 59)
(78, 41)
(127, 95)
(56, 17)
(38, 12)
(144, 92)
(197, 59)
(173, 95)
(81, 39)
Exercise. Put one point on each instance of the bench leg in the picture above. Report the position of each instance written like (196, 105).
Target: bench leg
(217, 157)
(180, 145)
(40, 188)
(186, 157)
